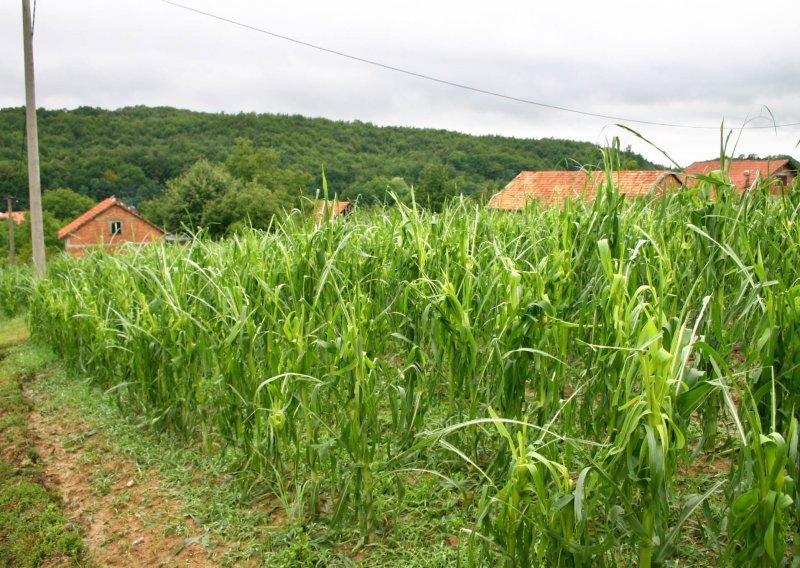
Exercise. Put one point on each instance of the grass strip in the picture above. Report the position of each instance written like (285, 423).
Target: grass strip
(33, 529)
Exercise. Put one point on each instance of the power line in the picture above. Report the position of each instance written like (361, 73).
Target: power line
(458, 85)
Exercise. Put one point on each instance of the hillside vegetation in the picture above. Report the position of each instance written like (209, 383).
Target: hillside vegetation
(132, 152)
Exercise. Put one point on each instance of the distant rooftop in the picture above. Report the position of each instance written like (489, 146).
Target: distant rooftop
(550, 187)
(333, 209)
(17, 216)
(743, 173)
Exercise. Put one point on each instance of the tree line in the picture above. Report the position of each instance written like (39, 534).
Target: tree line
(221, 170)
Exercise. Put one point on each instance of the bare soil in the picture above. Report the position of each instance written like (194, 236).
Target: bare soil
(126, 517)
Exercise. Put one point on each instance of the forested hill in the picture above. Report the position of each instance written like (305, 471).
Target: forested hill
(132, 152)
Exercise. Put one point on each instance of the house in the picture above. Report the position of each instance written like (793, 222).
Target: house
(330, 209)
(744, 173)
(554, 187)
(16, 216)
(108, 224)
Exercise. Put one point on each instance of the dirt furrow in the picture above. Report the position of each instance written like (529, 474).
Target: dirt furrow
(128, 520)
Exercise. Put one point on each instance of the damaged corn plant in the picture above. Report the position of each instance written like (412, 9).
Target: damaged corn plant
(603, 383)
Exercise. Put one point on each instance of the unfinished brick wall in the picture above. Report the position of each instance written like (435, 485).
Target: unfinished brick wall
(97, 232)
(786, 177)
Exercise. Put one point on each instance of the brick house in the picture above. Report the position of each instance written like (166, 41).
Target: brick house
(744, 173)
(108, 224)
(554, 187)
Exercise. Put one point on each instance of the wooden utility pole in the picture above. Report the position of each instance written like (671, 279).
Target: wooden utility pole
(11, 256)
(34, 181)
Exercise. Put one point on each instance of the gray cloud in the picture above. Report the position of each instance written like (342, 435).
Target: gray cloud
(690, 62)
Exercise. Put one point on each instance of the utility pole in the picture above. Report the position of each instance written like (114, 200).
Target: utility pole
(11, 256)
(34, 180)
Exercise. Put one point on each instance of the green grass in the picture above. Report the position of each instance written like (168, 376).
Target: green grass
(33, 529)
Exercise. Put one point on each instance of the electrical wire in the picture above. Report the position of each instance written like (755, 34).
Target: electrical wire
(460, 85)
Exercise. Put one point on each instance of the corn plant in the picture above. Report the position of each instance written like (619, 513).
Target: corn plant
(763, 495)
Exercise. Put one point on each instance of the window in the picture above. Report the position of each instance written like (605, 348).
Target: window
(115, 227)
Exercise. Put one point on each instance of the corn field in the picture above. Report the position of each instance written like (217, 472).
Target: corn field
(16, 285)
(566, 369)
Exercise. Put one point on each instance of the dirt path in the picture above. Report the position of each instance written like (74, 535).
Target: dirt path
(128, 520)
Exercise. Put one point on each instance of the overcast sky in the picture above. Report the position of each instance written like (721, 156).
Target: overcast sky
(686, 62)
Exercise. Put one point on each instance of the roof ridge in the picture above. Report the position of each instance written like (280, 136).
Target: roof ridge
(87, 216)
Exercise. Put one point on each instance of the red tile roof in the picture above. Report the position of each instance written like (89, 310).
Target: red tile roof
(17, 216)
(743, 173)
(555, 186)
(334, 209)
(97, 210)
